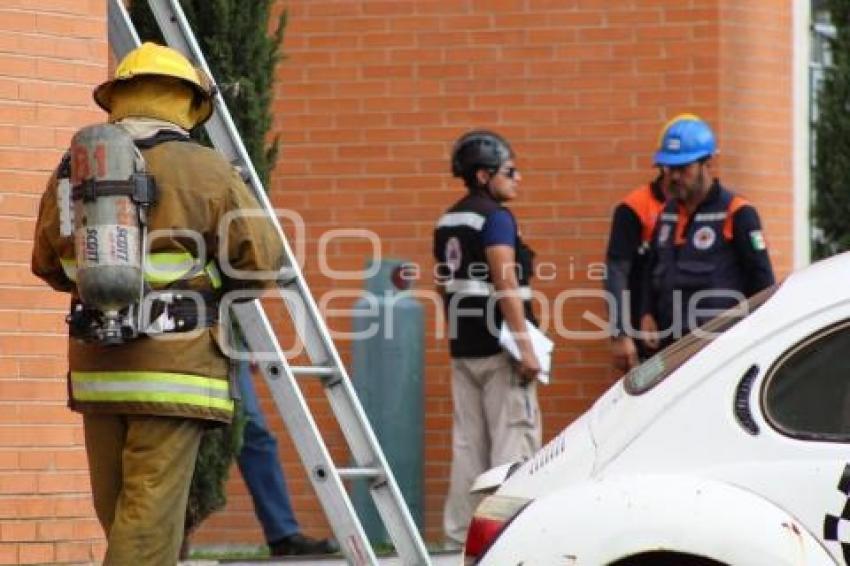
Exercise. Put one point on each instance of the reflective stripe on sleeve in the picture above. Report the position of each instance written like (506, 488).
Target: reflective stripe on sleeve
(166, 267)
(214, 274)
(162, 268)
(69, 266)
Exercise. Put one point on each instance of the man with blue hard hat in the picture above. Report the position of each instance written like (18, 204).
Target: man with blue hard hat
(708, 252)
(630, 237)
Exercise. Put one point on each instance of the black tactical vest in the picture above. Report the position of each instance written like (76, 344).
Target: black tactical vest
(706, 260)
(472, 310)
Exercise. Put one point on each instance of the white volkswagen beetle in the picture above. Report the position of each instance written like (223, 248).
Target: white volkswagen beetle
(731, 447)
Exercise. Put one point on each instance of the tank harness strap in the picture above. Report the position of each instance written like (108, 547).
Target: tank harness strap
(140, 187)
(181, 311)
(64, 169)
(166, 312)
(162, 136)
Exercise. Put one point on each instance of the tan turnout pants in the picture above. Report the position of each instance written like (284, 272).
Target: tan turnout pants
(140, 469)
(496, 421)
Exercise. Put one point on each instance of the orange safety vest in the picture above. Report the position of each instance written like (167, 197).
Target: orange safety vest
(647, 208)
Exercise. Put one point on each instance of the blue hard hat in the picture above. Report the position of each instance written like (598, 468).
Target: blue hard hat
(685, 139)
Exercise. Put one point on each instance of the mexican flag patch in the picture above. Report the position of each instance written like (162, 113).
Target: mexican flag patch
(757, 239)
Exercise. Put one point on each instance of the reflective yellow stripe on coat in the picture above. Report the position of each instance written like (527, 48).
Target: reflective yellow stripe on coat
(163, 268)
(151, 387)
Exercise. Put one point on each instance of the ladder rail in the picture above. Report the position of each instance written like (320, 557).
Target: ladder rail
(122, 34)
(315, 336)
(315, 456)
(224, 136)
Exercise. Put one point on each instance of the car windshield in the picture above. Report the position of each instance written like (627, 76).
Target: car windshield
(653, 371)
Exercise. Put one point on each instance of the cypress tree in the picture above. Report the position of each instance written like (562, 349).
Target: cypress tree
(242, 57)
(831, 174)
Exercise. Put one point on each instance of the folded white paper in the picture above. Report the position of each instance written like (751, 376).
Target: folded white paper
(539, 342)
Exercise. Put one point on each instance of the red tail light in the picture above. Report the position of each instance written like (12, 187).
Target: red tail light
(492, 516)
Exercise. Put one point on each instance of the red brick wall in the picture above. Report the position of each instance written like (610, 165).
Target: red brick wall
(755, 113)
(51, 54)
(369, 100)
(373, 93)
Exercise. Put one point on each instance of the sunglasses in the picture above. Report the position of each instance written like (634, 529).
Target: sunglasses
(510, 172)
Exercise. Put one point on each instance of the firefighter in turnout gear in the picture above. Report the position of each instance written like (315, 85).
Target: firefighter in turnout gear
(147, 393)
(484, 271)
(708, 252)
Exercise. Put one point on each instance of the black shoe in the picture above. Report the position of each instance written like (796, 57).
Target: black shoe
(299, 544)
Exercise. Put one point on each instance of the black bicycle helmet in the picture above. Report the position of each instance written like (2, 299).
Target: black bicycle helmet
(479, 149)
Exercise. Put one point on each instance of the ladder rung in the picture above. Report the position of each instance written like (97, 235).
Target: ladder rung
(312, 370)
(287, 276)
(356, 473)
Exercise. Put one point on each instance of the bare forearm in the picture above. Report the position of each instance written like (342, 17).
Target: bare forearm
(501, 260)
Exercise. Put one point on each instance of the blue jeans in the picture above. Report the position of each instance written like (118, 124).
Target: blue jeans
(260, 467)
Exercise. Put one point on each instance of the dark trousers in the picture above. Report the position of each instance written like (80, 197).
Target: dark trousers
(259, 465)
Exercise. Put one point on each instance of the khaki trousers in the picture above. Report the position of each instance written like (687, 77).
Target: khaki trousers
(140, 469)
(496, 421)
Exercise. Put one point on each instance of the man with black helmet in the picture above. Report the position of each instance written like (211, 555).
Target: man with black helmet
(483, 272)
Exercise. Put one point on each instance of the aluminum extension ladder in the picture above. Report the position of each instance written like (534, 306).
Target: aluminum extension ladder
(325, 363)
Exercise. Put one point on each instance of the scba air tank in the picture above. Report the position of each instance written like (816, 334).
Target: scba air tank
(107, 223)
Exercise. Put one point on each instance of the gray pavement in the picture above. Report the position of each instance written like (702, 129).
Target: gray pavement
(437, 559)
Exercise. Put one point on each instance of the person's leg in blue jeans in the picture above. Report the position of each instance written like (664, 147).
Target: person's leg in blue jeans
(260, 467)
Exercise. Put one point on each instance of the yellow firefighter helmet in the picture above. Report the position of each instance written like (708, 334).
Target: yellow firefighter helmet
(152, 60)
